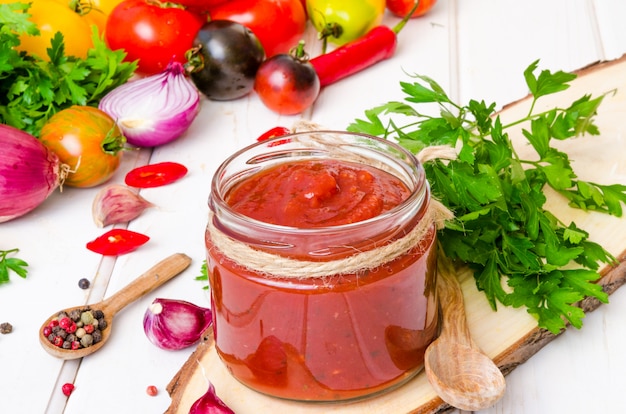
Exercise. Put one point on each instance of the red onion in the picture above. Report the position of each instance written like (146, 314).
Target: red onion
(29, 172)
(210, 403)
(175, 324)
(156, 109)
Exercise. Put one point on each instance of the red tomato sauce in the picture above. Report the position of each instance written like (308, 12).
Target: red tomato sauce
(323, 339)
(317, 193)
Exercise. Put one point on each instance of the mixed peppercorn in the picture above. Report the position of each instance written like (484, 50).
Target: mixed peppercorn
(80, 328)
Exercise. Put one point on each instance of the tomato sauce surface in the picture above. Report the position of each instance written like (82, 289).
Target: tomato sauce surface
(317, 193)
(331, 338)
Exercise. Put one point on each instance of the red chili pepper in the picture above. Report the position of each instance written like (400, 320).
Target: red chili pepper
(155, 175)
(378, 44)
(117, 241)
(278, 131)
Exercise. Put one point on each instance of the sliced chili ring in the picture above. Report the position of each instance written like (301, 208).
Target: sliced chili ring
(117, 241)
(278, 131)
(275, 132)
(155, 175)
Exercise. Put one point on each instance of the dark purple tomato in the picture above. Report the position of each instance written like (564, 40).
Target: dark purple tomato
(287, 83)
(225, 58)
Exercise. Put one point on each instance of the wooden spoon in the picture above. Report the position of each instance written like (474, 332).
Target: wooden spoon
(461, 374)
(150, 280)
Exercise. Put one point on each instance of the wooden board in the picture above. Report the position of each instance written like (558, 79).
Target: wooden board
(508, 336)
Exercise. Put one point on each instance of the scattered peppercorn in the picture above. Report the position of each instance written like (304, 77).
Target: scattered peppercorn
(152, 390)
(6, 328)
(67, 389)
(84, 283)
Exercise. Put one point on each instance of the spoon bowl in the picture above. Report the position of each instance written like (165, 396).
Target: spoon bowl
(148, 281)
(459, 372)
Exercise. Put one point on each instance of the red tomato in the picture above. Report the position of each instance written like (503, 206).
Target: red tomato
(287, 83)
(199, 6)
(155, 175)
(151, 32)
(86, 139)
(402, 7)
(279, 24)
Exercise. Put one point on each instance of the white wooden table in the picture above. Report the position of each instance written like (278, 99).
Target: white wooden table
(475, 49)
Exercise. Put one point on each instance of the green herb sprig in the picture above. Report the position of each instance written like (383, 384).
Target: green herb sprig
(204, 275)
(32, 89)
(11, 264)
(501, 228)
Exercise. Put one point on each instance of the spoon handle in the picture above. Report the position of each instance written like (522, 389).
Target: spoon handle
(156, 276)
(451, 302)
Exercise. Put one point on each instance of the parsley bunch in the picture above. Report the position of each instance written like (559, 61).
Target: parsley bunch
(32, 89)
(501, 228)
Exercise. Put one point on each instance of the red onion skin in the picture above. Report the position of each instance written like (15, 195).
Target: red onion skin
(29, 173)
(210, 403)
(175, 324)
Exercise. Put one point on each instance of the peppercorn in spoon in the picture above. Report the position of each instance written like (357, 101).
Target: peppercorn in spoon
(87, 328)
(460, 373)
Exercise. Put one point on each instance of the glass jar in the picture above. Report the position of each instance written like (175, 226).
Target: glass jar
(326, 313)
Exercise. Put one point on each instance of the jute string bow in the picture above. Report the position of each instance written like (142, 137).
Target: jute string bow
(273, 265)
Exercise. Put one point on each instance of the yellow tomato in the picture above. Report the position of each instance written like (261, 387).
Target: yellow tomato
(105, 6)
(95, 11)
(52, 16)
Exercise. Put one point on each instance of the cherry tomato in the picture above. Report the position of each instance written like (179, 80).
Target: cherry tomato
(155, 175)
(287, 83)
(86, 139)
(117, 241)
(279, 24)
(341, 21)
(52, 16)
(151, 32)
(402, 7)
(225, 59)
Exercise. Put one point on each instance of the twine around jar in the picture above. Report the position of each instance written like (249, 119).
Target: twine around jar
(278, 266)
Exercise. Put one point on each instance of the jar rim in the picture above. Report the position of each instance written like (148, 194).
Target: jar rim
(405, 160)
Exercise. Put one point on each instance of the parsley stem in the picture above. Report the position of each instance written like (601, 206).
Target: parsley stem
(5, 253)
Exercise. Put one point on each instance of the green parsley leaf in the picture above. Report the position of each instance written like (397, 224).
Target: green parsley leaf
(546, 83)
(11, 264)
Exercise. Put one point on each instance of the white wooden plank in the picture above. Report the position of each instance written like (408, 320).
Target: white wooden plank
(498, 40)
(610, 26)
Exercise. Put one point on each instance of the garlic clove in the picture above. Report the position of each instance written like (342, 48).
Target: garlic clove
(175, 324)
(117, 204)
